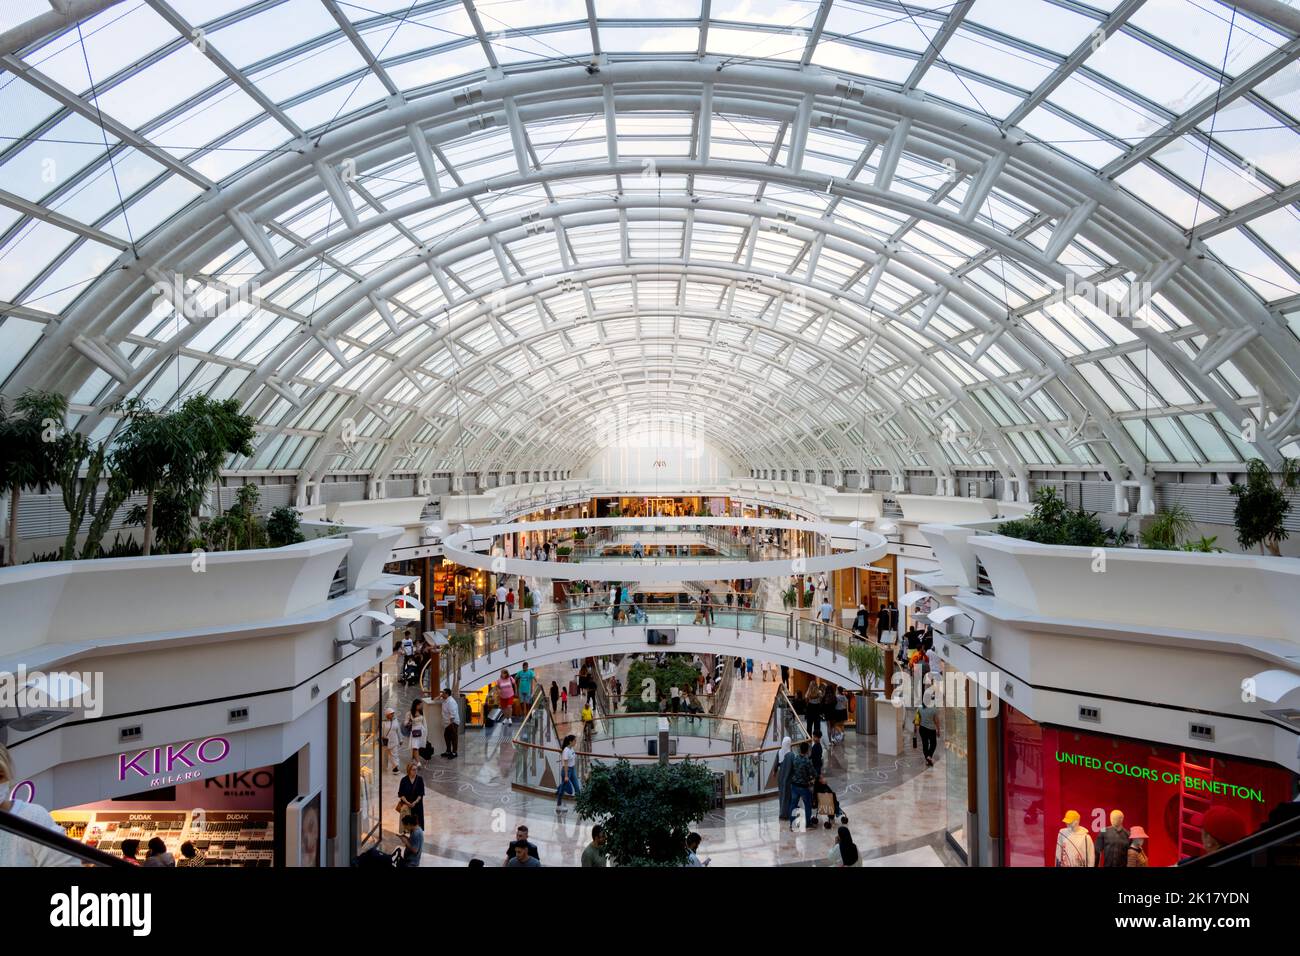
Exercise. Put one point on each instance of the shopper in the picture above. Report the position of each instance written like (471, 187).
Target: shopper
(845, 851)
(450, 724)
(740, 668)
(503, 606)
(159, 854)
(595, 853)
(928, 727)
(813, 708)
(817, 754)
(510, 602)
(526, 679)
(130, 851)
(506, 691)
(568, 772)
(749, 668)
(802, 778)
(412, 837)
(555, 696)
(410, 794)
(19, 851)
(1137, 847)
(860, 621)
(393, 739)
(192, 855)
(825, 613)
(521, 836)
(520, 855)
(564, 700)
(692, 850)
(416, 730)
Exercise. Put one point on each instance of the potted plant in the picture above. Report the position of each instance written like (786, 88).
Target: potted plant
(1262, 505)
(788, 597)
(867, 661)
(562, 552)
(1167, 529)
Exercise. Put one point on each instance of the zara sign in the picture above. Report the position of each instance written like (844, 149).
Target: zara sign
(174, 763)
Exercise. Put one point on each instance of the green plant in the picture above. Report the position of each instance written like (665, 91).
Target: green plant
(1053, 522)
(563, 551)
(789, 597)
(646, 812)
(32, 448)
(79, 493)
(648, 681)
(283, 527)
(1262, 505)
(1205, 545)
(1167, 529)
(867, 661)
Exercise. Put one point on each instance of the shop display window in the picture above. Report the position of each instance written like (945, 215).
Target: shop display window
(1049, 771)
(956, 782)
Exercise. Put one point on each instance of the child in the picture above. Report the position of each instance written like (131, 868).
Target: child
(564, 700)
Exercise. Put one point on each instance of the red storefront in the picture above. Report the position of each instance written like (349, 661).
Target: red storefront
(1048, 771)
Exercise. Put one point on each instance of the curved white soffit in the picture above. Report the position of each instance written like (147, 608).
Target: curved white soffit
(1273, 685)
(655, 571)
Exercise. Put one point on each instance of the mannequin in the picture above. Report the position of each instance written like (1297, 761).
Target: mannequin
(1113, 842)
(1074, 844)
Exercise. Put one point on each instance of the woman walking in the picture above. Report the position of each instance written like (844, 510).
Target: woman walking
(417, 730)
(568, 773)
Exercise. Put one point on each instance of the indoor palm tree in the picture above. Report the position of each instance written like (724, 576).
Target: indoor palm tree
(32, 444)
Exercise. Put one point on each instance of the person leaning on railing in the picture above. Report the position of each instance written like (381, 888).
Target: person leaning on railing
(16, 850)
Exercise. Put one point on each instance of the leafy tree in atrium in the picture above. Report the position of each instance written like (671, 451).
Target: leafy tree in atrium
(78, 492)
(173, 457)
(648, 681)
(647, 812)
(282, 527)
(1052, 521)
(32, 441)
(1263, 504)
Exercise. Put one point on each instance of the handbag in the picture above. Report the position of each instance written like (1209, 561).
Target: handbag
(426, 752)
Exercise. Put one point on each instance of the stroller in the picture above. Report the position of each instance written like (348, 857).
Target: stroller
(828, 807)
(410, 671)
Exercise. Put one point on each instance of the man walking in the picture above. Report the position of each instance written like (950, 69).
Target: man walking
(450, 725)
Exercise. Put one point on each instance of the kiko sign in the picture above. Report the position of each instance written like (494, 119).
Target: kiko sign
(172, 764)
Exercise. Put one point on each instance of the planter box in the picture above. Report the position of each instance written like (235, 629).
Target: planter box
(1232, 594)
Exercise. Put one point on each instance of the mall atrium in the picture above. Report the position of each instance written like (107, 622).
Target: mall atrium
(868, 431)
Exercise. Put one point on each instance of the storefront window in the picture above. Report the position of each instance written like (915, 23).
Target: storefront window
(372, 769)
(1050, 771)
(956, 781)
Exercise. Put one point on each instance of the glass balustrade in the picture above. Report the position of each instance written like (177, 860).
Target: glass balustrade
(805, 636)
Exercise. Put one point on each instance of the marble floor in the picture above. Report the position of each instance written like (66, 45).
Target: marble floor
(895, 805)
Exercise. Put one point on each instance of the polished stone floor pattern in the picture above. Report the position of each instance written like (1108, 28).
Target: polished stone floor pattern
(895, 805)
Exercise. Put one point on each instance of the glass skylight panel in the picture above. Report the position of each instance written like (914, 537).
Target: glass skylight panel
(1202, 29)
(113, 41)
(619, 39)
(851, 58)
(968, 92)
(1112, 112)
(1258, 138)
(1262, 273)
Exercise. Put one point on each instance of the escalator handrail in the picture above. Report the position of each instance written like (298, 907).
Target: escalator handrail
(28, 830)
(1284, 832)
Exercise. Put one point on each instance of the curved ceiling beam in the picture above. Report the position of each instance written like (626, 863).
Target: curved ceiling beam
(1062, 172)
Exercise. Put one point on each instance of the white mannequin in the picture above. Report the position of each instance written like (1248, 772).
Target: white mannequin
(1074, 846)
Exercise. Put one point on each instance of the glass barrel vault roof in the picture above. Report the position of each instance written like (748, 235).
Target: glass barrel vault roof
(1000, 233)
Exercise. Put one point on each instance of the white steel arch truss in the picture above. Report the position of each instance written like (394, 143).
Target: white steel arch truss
(833, 266)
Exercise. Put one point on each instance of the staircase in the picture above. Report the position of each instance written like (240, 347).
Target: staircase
(1190, 804)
